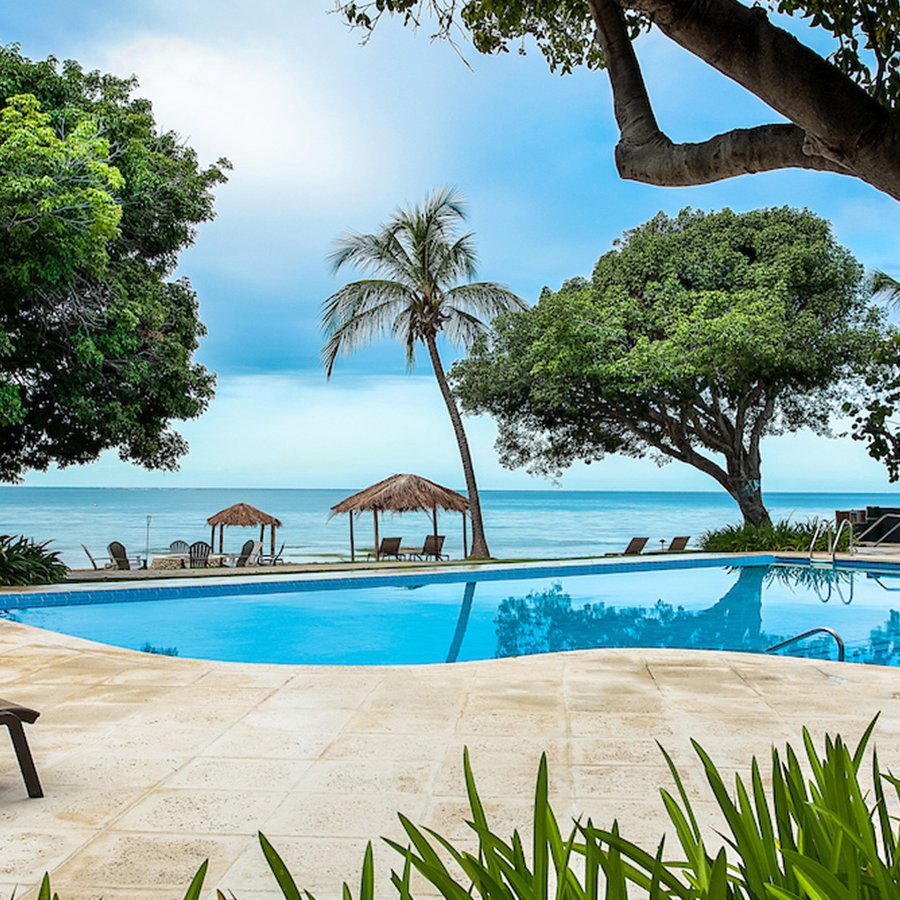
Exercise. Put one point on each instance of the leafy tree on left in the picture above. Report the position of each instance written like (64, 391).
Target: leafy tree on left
(96, 203)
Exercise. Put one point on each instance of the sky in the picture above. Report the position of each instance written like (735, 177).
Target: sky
(326, 136)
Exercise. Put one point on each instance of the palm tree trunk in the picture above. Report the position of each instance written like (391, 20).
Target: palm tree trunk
(479, 543)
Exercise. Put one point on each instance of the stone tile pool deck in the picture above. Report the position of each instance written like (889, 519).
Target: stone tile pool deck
(151, 764)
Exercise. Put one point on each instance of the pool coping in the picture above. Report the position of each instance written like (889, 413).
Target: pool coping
(69, 594)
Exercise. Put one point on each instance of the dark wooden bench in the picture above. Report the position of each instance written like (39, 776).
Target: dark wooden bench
(12, 716)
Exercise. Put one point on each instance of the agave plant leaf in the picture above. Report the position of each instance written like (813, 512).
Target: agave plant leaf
(817, 881)
(540, 855)
(196, 885)
(282, 876)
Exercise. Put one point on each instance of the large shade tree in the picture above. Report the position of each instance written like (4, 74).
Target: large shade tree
(834, 112)
(96, 338)
(696, 337)
(421, 288)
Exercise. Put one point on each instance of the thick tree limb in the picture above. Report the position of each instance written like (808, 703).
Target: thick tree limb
(835, 125)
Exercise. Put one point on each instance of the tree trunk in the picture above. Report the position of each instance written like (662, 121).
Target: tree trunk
(479, 548)
(745, 486)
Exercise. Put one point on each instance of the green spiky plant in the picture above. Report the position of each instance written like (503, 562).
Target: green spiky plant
(24, 561)
(815, 836)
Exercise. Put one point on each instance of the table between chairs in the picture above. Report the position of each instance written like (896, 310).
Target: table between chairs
(182, 560)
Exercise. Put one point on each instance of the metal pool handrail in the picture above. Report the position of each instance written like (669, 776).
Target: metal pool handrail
(823, 526)
(799, 637)
(837, 538)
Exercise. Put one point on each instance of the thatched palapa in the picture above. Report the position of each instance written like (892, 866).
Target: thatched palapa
(246, 516)
(402, 493)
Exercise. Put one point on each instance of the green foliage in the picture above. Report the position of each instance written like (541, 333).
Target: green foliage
(866, 35)
(24, 561)
(813, 834)
(95, 340)
(781, 535)
(696, 336)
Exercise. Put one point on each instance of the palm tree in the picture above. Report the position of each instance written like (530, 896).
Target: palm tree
(421, 287)
(889, 287)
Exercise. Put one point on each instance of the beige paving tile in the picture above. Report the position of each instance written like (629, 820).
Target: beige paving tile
(225, 773)
(241, 740)
(63, 806)
(35, 851)
(119, 860)
(111, 769)
(365, 815)
(348, 776)
(195, 811)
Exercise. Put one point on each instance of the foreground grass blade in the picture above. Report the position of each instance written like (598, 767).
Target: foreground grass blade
(196, 885)
(279, 870)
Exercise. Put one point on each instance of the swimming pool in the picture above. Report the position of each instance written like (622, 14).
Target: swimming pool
(748, 604)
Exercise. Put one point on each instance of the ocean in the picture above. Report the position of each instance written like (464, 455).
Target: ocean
(519, 524)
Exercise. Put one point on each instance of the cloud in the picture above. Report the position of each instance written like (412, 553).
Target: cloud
(295, 430)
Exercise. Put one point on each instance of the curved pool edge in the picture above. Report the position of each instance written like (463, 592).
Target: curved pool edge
(164, 761)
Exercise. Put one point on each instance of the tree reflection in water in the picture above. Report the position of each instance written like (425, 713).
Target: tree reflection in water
(546, 621)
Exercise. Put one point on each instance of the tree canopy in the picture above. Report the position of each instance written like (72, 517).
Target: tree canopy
(96, 203)
(696, 336)
(840, 109)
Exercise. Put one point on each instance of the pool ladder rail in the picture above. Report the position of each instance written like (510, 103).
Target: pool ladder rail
(825, 527)
(805, 634)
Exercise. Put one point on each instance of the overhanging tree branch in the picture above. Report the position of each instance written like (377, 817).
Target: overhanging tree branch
(835, 125)
(645, 153)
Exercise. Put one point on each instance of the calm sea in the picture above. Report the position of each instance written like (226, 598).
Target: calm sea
(518, 523)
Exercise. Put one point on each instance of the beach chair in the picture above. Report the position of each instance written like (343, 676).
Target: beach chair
(431, 549)
(635, 546)
(121, 560)
(268, 560)
(12, 716)
(249, 555)
(107, 565)
(678, 545)
(198, 555)
(390, 547)
(179, 547)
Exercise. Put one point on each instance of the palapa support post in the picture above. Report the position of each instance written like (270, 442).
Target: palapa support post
(222, 538)
(212, 537)
(434, 526)
(465, 538)
(272, 544)
(377, 544)
(352, 544)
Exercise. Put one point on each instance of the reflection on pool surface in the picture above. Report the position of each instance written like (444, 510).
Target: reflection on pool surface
(724, 608)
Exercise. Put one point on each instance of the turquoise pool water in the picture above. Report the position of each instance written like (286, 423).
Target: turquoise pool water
(405, 620)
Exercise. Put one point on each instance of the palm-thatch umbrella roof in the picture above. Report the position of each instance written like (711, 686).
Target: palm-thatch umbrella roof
(401, 493)
(245, 515)
(242, 514)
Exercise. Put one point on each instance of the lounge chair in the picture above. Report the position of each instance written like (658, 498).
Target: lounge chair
(179, 547)
(198, 554)
(249, 555)
(678, 545)
(635, 546)
(12, 716)
(430, 549)
(121, 560)
(107, 565)
(389, 547)
(268, 560)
